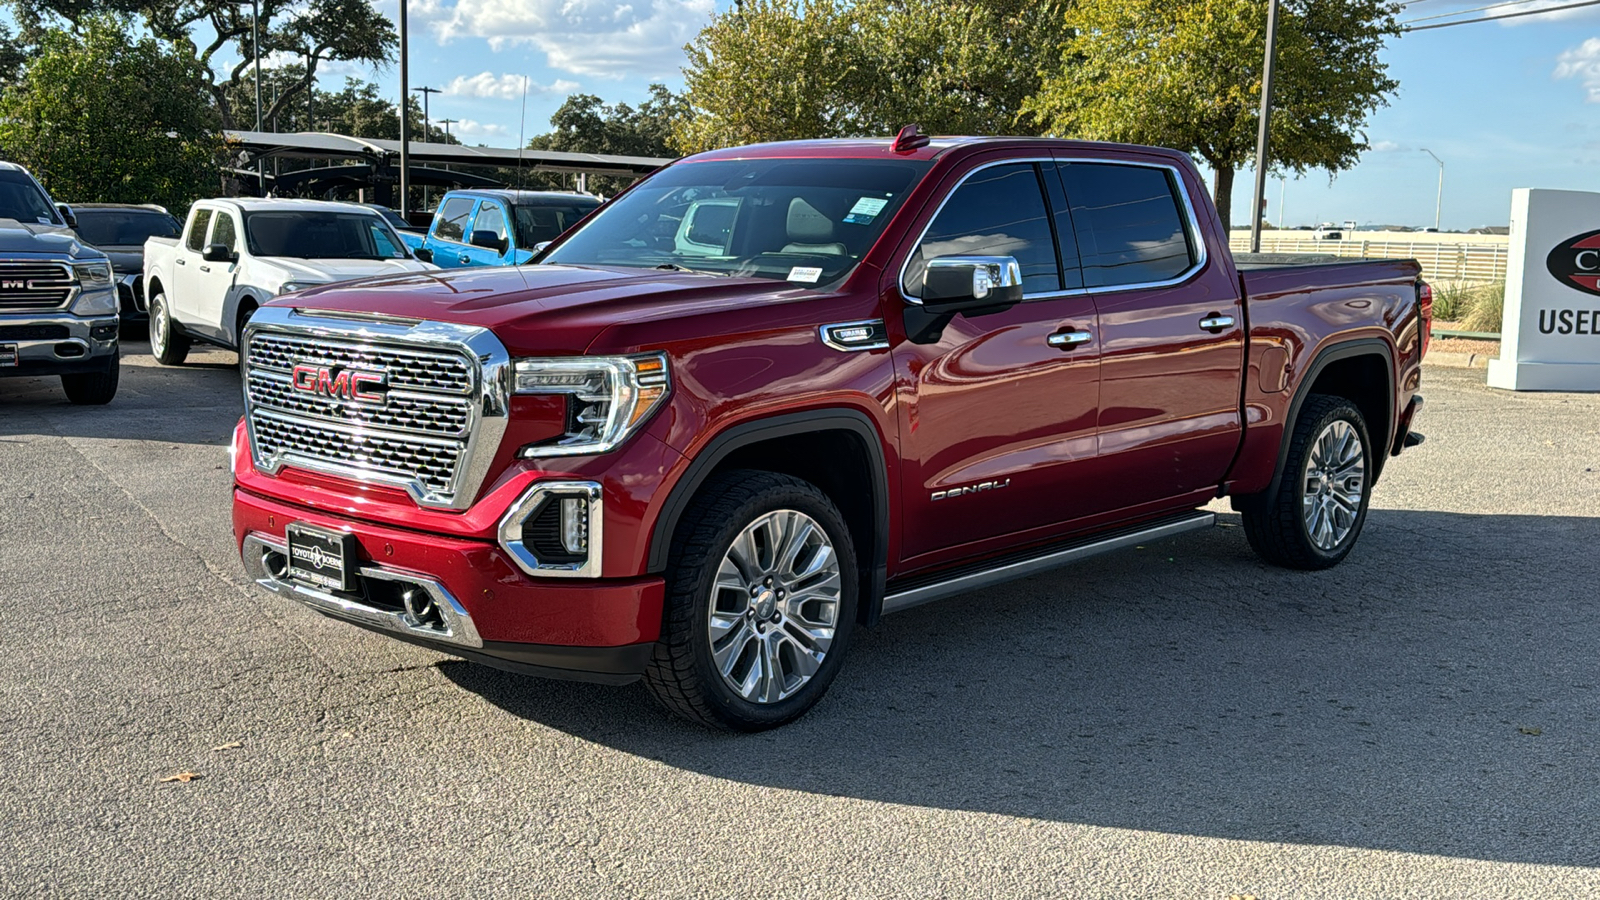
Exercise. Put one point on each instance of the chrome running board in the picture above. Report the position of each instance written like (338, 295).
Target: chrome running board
(1008, 570)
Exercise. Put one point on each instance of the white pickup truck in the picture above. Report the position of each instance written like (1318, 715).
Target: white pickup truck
(237, 254)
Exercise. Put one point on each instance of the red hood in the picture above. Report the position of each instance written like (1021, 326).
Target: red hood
(542, 310)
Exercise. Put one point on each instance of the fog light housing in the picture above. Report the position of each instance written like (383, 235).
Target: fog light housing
(553, 530)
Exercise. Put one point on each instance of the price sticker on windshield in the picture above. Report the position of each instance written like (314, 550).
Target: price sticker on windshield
(805, 274)
(865, 210)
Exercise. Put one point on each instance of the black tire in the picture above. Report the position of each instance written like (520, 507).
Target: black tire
(682, 675)
(246, 310)
(93, 388)
(168, 344)
(1277, 525)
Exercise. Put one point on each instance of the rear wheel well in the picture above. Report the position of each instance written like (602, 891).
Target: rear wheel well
(840, 463)
(1365, 381)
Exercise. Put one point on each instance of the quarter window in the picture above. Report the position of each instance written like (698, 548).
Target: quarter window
(1130, 225)
(998, 211)
(197, 230)
(450, 224)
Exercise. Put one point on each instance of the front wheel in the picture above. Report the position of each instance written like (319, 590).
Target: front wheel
(1323, 494)
(93, 388)
(761, 600)
(168, 344)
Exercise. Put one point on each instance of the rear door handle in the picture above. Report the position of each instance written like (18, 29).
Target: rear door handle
(205, 268)
(1068, 339)
(1216, 322)
(465, 259)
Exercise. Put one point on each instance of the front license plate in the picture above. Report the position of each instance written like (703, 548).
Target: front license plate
(9, 355)
(321, 558)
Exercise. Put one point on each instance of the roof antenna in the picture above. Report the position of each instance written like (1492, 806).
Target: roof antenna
(909, 139)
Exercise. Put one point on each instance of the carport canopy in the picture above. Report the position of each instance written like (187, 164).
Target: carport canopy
(316, 145)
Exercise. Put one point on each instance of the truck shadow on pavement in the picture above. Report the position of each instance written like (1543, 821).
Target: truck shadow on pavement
(1435, 694)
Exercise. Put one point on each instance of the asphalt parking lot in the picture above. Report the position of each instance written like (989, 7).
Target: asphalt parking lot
(1175, 721)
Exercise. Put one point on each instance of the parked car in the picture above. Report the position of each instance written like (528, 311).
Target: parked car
(237, 254)
(398, 223)
(497, 227)
(120, 230)
(879, 373)
(58, 306)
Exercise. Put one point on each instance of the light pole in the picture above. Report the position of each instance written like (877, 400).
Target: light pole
(427, 126)
(447, 123)
(405, 122)
(1261, 132)
(255, 50)
(1438, 203)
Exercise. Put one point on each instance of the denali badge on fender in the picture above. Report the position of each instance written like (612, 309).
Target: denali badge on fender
(971, 489)
(1575, 262)
(341, 384)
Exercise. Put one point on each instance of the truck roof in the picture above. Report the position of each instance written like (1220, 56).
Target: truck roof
(275, 204)
(526, 198)
(881, 148)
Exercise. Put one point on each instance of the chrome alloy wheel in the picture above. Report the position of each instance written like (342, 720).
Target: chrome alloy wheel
(1335, 483)
(159, 328)
(774, 606)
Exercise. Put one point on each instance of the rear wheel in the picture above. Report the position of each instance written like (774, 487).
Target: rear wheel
(93, 388)
(1324, 491)
(761, 600)
(168, 344)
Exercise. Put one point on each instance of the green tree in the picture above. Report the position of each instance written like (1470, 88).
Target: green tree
(102, 116)
(587, 124)
(1187, 74)
(789, 69)
(312, 31)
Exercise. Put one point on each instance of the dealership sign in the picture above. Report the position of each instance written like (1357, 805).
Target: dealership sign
(1550, 334)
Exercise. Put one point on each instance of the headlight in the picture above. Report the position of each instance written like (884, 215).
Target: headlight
(288, 286)
(610, 398)
(95, 296)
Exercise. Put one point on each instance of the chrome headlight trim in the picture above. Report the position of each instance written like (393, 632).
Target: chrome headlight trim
(632, 388)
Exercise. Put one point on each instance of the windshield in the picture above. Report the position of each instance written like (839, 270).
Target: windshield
(803, 221)
(537, 224)
(124, 227)
(303, 234)
(21, 199)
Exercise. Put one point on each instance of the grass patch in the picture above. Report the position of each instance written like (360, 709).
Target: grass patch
(1487, 307)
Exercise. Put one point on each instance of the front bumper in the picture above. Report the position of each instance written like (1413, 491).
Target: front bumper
(488, 610)
(56, 342)
(130, 297)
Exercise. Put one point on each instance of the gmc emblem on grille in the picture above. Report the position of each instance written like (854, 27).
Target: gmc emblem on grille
(339, 383)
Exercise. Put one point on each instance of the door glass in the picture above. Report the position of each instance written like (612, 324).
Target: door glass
(491, 218)
(999, 211)
(225, 233)
(1130, 225)
(450, 224)
(197, 230)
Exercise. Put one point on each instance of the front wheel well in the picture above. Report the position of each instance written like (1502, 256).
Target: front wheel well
(841, 462)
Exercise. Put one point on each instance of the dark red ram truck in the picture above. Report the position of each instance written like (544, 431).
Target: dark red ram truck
(770, 393)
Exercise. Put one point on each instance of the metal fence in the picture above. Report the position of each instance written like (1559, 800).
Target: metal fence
(1440, 261)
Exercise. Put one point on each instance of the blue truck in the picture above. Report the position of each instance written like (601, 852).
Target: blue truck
(58, 303)
(496, 227)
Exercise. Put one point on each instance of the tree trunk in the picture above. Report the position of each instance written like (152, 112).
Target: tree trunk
(1222, 192)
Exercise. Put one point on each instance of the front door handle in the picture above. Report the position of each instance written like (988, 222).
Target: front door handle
(465, 259)
(1216, 323)
(180, 261)
(205, 268)
(1068, 339)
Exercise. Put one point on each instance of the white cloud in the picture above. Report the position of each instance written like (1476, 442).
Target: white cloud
(1511, 11)
(1386, 146)
(473, 128)
(504, 87)
(586, 37)
(1583, 63)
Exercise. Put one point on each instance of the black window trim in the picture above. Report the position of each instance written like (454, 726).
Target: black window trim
(1191, 225)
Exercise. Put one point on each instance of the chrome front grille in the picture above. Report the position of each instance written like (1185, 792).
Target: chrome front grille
(427, 416)
(30, 285)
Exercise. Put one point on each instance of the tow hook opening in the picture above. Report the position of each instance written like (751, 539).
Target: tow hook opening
(420, 609)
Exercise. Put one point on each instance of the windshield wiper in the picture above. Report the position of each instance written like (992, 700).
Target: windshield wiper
(674, 267)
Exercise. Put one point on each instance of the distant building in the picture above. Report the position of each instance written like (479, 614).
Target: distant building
(1491, 229)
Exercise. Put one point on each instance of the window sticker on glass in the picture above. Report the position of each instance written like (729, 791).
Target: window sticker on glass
(806, 274)
(865, 210)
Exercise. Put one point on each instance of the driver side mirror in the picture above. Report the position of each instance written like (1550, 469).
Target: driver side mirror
(488, 240)
(424, 254)
(67, 216)
(969, 285)
(218, 253)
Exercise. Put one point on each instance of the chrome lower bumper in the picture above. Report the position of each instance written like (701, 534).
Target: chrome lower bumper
(57, 337)
(265, 557)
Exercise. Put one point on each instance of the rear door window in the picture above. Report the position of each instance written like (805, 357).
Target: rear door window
(197, 230)
(997, 211)
(1129, 223)
(450, 223)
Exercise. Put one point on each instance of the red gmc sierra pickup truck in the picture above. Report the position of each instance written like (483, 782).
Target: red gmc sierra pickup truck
(771, 393)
